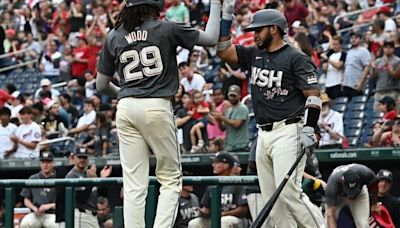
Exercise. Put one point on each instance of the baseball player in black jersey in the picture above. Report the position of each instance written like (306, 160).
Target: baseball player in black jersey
(141, 49)
(285, 96)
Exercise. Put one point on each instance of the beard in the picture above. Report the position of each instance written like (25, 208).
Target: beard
(266, 42)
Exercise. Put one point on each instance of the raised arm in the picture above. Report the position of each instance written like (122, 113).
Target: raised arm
(209, 37)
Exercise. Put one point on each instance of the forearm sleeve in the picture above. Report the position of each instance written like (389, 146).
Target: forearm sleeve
(104, 86)
(209, 37)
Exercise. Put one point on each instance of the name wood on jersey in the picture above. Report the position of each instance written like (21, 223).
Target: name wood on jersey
(264, 77)
(135, 36)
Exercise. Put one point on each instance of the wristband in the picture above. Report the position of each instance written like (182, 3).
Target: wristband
(225, 28)
(224, 45)
(313, 109)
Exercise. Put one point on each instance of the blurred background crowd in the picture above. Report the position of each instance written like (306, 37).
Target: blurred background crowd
(49, 50)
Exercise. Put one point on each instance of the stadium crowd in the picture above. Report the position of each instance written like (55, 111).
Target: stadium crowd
(357, 55)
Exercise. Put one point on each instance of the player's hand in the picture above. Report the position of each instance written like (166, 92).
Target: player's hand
(106, 171)
(307, 137)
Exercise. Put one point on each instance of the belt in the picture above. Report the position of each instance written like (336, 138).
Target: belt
(269, 126)
(94, 213)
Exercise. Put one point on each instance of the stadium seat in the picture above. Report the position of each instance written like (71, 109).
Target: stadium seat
(354, 124)
(339, 107)
(341, 100)
(374, 115)
(356, 106)
(352, 132)
(354, 115)
(353, 141)
(359, 99)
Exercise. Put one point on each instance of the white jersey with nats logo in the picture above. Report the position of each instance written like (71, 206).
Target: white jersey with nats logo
(28, 133)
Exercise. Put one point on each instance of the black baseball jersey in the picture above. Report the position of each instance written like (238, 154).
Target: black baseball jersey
(232, 196)
(40, 196)
(145, 59)
(91, 201)
(334, 187)
(277, 80)
(188, 210)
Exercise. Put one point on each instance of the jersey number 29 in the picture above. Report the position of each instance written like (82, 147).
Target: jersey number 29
(150, 59)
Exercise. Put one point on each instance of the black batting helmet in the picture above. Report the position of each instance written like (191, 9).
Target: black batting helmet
(268, 17)
(157, 3)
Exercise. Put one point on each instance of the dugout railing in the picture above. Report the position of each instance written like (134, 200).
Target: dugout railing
(214, 182)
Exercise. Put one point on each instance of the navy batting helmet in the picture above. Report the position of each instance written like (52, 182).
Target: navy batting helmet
(268, 17)
(157, 3)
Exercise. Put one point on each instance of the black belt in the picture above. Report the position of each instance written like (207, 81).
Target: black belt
(269, 126)
(94, 213)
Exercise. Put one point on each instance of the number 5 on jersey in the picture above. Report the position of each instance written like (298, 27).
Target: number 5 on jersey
(148, 57)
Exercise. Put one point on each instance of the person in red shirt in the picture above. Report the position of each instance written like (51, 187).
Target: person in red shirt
(387, 105)
(294, 11)
(80, 59)
(199, 111)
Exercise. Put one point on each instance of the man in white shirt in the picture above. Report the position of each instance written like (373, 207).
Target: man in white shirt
(385, 14)
(46, 87)
(190, 81)
(331, 124)
(88, 117)
(6, 130)
(27, 136)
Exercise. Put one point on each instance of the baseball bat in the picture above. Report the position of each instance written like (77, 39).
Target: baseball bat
(259, 221)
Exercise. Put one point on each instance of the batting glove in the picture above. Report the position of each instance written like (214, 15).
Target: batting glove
(307, 137)
(228, 8)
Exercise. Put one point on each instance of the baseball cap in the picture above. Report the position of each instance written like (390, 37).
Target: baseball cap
(384, 9)
(385, 174)
(388, 100)
(324, 97)
(15, 94)
(296, 24)
(45, 82)
(80, 152)
(351, 183)
(46, 156)
(225, 158)
(234, 90)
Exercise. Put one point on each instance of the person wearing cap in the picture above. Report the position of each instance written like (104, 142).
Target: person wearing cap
(385, 15)
(331, 125)
(350, 185)
(45, 87)
(27, 136)
(356, 67)
(391, 203)
(41, 201)
(7, 147)
(86, 197)
(234, 207)
(235, 121)
(88, 117)
(54, 124)
(16, 103)
(386, 71)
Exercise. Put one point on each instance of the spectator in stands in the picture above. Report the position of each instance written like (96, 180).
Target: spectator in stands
(80, 58)
(46, 87)
(367, 15)
(375, 128)
(294, 11)
(65, 101)
(50, 63)
(235, 120)
(333, 64)
(236, 169)
(220, 105)
(88, 117)
(389, 138)
(104, 216)
(386, 72)
(184, 123)
(54, 124)
(331, 125)
(356, 67)
(41, 201)
(391, 203)
(387, 106)
(349, 185)
(102, 135)
(17, 102)
(302, 43)
(177, 12)
(5, 95)
(189, 206)
(216, 145)
(385, 15)
(7, 129)
(234, 207)
(200, 110)
(27, 136)
(190, 81)
(90, 84)
(34, 49)
(232, 75)
(38, 112)
(378, 37)
(86, 197)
